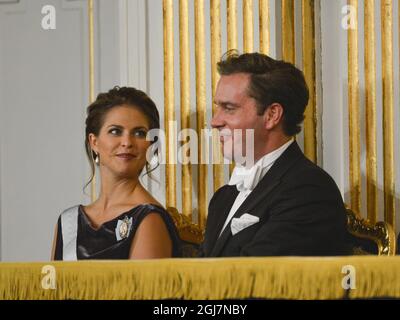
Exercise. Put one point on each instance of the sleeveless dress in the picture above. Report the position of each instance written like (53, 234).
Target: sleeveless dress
(77, 239)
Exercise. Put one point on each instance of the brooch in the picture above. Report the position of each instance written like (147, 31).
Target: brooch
(123, 228)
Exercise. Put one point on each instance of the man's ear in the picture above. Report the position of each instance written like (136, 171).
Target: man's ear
(93, 142)
(273, 115)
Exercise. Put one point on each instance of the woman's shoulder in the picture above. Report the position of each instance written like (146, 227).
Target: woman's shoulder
(147, 208)
(70, 211)
(68, 216)
(157, 218)
(146, 200)
(144, 210)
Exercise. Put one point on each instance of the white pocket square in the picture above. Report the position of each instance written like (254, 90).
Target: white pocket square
(245, 221)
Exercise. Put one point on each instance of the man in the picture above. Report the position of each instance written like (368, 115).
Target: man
(284, 204)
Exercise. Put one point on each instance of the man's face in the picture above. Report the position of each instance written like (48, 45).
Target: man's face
(235, 112)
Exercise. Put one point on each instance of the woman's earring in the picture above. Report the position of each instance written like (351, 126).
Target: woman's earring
(97, 158)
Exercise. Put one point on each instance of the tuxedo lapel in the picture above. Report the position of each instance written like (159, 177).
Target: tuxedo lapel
(260, 193)
(271, 179)
(220, 242)
(221, 211)
(253, 199)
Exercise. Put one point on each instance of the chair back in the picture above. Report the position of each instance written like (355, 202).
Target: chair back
(381, 234)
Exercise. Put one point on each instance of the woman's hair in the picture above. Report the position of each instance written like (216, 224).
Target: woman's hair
(118, 96)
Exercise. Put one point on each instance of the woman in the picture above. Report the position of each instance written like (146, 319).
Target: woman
(125, 222)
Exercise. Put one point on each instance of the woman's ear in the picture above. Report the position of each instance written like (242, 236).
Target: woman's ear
(273, 116)
(93, 142)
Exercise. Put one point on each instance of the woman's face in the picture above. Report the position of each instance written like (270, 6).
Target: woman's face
(121, 143)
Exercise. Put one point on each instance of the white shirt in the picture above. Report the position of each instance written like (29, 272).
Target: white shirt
(247, 179)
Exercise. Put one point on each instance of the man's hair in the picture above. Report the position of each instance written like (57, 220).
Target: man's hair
(271, 81)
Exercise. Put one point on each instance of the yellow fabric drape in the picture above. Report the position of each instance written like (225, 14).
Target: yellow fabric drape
(228, 278)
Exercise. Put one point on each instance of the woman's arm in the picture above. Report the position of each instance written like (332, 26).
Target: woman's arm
(152, 239)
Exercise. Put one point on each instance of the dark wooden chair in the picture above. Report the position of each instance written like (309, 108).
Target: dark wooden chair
(369, 238)
(189, 232)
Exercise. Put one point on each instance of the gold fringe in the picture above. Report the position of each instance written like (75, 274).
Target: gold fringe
(377, 277)
(229, 278)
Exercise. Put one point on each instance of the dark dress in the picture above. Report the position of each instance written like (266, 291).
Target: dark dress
(77, 239)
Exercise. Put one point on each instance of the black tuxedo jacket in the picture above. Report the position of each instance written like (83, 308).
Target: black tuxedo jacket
(300, 208)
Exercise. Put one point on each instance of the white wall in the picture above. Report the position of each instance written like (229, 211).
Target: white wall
(335, 135)
(43, 95)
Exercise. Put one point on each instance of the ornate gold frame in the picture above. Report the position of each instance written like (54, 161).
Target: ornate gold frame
(188, 231)
(381, 233)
